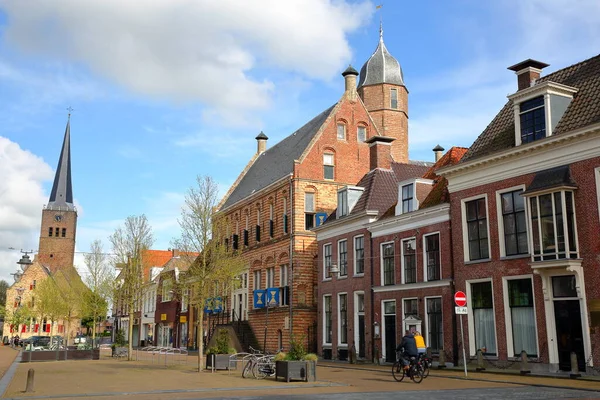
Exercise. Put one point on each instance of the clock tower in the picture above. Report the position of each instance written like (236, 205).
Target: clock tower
(59, 216)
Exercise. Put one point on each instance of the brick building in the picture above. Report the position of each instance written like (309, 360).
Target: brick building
(385, 262)
(525, 202)
(56, 251)
(288, 189)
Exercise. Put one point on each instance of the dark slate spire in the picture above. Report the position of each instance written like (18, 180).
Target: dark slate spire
(62, 190)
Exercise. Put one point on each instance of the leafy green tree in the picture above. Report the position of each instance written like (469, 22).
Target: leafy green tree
(202, 230)
(129, 244)
(50, 304)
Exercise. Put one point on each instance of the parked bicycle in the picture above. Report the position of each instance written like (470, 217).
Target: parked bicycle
(415, 370)
(251, 360)
(264, 366)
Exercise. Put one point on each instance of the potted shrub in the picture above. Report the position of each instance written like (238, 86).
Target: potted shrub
(217, 357)
(296, 364)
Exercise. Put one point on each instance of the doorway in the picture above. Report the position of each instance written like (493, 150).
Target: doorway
(389, 320)
(569, 334)
(359, 324)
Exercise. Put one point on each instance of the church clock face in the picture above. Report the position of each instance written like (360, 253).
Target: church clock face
(58, 217)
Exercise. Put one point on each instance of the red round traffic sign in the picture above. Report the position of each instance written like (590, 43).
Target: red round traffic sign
(460, 298)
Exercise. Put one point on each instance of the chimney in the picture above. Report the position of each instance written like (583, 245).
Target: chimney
(261, 143)
(380, 152)
(528, 72)
(350, 75)
(438, 150)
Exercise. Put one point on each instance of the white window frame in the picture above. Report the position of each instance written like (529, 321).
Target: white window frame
(356, 313)
(465, 232)
(471, 318)
(167, 286)
(404, 312)
(508, 317)
(354, 254)
(329, 164)
(414, 206)
(270, 282)
(184, 300)
(257, 279)
(381, 277)
(283, 275)
(342, 203)
(426, 320)
(425, 268)
(325, 343)
(402, 274)
(325, 277)
(339, 258)
(339, 321)
(501, 242)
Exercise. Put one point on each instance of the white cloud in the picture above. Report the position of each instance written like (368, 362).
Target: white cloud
(21, 200)
(205, 50)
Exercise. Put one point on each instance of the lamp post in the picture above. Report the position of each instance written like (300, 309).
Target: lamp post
(268, 303)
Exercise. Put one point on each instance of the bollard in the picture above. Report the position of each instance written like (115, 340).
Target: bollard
(524, 365)
(352, 354)
(480, 365)
(442, 359)
(574, 366)
(29, 387)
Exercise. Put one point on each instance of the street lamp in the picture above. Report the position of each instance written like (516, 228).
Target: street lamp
(334, 270)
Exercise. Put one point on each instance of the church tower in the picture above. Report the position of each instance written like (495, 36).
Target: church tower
(382, 90)
(59, 217)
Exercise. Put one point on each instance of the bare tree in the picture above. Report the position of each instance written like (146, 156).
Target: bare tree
(129, 244)
(100, 279)
(202, 232)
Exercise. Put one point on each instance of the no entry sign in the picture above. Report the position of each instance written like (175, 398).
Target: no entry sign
(460, 298)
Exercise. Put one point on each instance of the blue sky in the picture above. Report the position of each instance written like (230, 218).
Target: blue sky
(166, 90)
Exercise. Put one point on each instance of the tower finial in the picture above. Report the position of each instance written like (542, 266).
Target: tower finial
(380, 22)
(70, 110)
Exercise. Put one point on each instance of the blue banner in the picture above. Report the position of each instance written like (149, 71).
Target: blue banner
(320, 217)
(259, 298)
(208, 306)
(272, 297)
(217, 305)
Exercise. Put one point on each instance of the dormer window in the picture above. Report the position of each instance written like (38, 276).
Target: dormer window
(533, 120)
(538, 109)
(408, 198)
(347, 199)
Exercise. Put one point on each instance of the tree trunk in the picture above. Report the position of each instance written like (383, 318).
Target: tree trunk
(67, 326)
(94, 329)
(130, 334)
(200, 335)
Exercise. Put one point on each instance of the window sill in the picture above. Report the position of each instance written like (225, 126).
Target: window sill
(342, 277)
(359, 275)
(327, 279)
(515, 257)
(483, 260)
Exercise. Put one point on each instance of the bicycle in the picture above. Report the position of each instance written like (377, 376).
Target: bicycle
(415, 369)
(426, 363)
(251, 360)
(264, 366)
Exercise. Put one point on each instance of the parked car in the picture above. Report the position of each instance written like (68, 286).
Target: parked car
(80, 339)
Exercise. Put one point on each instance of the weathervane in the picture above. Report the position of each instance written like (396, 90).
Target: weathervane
(70, 110)
(380, 21)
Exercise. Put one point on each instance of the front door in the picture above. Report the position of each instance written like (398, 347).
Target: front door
(390, 338)
(569, 333)
(361, 336)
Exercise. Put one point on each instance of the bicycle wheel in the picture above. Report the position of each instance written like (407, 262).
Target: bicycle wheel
(398, 371)
(425, 367)
(416, 373)
(260, 368)
(247, 371)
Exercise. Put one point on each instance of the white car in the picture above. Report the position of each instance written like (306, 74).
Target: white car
(80, 339)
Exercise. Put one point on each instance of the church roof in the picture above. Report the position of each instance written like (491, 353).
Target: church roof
(278, 161)
(61, 196)
(381, 67)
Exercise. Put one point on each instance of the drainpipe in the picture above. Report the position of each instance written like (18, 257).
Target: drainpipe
(371, 327)
(452, 291)
(291, 233)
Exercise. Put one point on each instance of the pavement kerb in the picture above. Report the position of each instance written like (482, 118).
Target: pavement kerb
(530, 378)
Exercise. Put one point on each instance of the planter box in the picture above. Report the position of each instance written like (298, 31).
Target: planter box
(218, 361)
(296, 370)
(61, 355)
